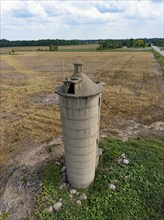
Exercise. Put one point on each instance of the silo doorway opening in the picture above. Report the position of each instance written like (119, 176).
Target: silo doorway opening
(71, 88)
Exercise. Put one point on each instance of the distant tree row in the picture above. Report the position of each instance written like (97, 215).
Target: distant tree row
(47, 42)
(137, 43)
(103, 44)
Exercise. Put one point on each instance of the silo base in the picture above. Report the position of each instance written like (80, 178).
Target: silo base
(80, 184)
(99, 153)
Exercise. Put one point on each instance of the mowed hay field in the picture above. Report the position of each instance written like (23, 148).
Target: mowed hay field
(29, 108)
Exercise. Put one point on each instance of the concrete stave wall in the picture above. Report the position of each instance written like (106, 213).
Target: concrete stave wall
(80, 124)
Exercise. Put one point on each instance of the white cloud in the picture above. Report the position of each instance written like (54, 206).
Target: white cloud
(109, 7)
(81, 19)
(141, 11)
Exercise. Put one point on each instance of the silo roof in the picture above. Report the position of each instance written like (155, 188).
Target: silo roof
(79, 85)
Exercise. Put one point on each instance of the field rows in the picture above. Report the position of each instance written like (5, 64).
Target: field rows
(30, 111)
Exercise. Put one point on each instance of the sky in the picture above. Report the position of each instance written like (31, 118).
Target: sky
(79, 19)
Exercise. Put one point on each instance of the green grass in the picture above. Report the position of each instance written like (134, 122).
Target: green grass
(131, 49)
(106, 50)
(160, 59)
(139, 186)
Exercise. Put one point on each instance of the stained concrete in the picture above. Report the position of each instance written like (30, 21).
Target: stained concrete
(80, 102)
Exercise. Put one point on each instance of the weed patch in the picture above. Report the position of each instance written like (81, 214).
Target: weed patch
(160, 59)
(138, 193)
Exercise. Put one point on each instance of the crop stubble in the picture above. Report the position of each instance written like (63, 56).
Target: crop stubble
(30, 116)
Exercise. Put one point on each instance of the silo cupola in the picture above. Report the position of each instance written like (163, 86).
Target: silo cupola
(79, 84)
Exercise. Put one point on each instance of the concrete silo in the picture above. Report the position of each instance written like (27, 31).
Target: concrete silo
(80, 102)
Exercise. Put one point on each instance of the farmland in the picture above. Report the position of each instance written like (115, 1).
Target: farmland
(132, 107)
(91, 47)
(132, 95)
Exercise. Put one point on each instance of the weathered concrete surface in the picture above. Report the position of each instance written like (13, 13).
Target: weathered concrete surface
(80, 126)
(158, 50)
(80, 102)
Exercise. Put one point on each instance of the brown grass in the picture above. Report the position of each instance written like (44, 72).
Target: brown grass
(132, 90)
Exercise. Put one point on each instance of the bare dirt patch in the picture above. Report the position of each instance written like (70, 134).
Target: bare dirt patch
(132, 129)
(21, 179)
(45, 99)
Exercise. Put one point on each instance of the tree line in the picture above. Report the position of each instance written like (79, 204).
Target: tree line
(46, 42)
(103, 44)
(137, 43)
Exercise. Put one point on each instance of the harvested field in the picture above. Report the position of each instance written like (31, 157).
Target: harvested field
(133, 95)
(6, 50)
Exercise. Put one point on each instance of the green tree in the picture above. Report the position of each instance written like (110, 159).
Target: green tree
(53, 48)
(139, 43)
(56, 48)
(148, 44)
(131, 42)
